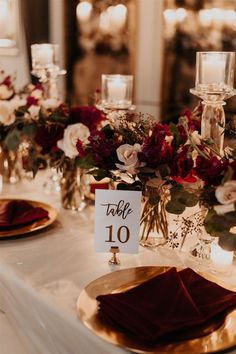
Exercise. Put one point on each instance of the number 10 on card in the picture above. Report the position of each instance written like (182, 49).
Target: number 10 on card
(117, 220)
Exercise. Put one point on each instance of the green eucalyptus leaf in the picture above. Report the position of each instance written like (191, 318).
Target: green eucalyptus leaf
(228, 241)
(188, 199)
(30, 130)
(86, 162)
(99, 174)
(174, 207)
(123, 186)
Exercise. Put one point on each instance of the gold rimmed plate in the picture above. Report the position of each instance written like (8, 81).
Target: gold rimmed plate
(35, 225)
(219, 335)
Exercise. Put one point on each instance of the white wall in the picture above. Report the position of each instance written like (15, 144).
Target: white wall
(17, 64)
(149, 56)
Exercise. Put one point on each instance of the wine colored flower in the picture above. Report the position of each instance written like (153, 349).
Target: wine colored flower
(89, 116)
(182, 165)
(31, 101)
(193, 121)
(156, 150)
(103, 147)
(47, 137)
(211, 170)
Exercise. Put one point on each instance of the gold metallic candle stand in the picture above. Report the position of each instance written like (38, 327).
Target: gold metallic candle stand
(114, 260)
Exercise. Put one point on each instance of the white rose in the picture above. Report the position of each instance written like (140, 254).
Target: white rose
(17, 101)
(34, 111)
(222, 209)
(128, 154)
(51, 103)
(72, 134)
(5, 92)
(226, 194)
(7, 112)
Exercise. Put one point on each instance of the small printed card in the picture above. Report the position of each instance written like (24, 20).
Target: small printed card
(117, 219)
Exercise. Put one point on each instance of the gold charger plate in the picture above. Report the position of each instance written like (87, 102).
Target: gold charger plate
(221, 338)
(34, 226)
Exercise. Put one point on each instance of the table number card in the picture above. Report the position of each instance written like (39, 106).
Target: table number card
(117, 219)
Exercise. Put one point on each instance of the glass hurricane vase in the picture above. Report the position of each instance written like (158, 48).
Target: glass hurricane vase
(74, 188)
(154, 223)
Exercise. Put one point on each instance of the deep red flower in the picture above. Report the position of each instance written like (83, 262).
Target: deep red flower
(182, 164)
(7, 81)
(103, 148)
(156, 150)
(194, 121)
(182, 134)
(47, 137)
(190, 178)
(89, 116)
(211, 171)
(31, 101)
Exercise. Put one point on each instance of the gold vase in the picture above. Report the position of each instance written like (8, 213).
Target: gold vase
(154, 223)
(74, 188)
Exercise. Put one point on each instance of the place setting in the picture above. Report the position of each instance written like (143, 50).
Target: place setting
(19, 217)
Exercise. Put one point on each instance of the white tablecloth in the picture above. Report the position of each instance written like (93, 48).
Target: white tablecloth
(42, 275)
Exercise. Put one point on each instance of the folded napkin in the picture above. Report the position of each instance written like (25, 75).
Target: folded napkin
(18, 213)
(167, 303)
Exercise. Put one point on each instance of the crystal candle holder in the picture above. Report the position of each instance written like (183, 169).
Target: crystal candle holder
(117, 91)
(45, 66)
(214, 84)
(44, 56)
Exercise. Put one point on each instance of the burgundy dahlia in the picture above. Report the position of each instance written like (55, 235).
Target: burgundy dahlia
(47, 137)
(156, 150)
(194, 121)
(182, 164)
(103, 148)
(89, 116)
(211, 171)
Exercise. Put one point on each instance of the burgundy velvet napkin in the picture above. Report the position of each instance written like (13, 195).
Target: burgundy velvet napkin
(18, 213)
(164, 304)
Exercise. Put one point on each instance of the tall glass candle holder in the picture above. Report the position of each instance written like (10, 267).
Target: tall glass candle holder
(45, 66)
(117, 92)
(214, 84)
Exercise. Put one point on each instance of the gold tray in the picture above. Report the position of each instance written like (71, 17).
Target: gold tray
(222, 336)
(34, 226)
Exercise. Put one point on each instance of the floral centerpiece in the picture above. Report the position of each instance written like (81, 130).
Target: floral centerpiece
(173, 167)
